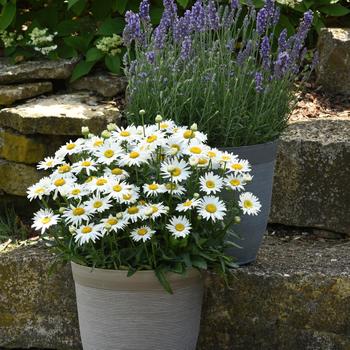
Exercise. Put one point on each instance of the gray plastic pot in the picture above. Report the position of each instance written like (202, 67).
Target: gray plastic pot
(117, 312)
(251, 230)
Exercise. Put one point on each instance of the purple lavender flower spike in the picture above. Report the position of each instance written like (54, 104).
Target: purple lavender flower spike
(265, 52)
(282, 64)
(198, 16)
(186, 48)
(144, 11)
(282, 40)
(259, 82)
(150, 56)
(245, 53)
(276, 16)
(182, 28)
(132, 29)
(169, 15)
(159, 36)
(235, 4)
(212, 16)
(261, 21)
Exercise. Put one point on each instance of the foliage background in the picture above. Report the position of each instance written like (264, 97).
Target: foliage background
(79, 24)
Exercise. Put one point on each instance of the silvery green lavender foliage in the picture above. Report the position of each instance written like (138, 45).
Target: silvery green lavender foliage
(224, 68)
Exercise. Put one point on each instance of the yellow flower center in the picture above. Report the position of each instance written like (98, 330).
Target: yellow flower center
(101, 182)
(126, 196)
(179, 227)
(98, 143)
(117, 188)
(142, 202)
(134, 154)
(153, 187)
(98, 204)
(133, 210)
(45, 220)
(109, 153)
(211, 208)
(125, 133)
(89, 179)
(211, 154)
(64, 169)
(225, 158)
(71, 146)
(154, 209)
(75, 191)
(117, 171)
(188, 134)
(188, 203)
(235, 182)
(142, 231)
(210, 184)
(39, 190)
(49, 163)
(177, 147)
(195, 150)
(151, 138)
(85, 163)
(176, 172)
(170, 186)
(112, 221)
(59, 182)
(78, 211)
(86, 229)
(202, 161)
(237, 166)
(164, 125)
(248, 204)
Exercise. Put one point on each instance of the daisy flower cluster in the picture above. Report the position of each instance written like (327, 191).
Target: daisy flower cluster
(153, 188)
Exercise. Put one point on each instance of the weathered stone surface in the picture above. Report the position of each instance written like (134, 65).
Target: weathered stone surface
(333, 71)
(15, 178)
(12, 93)
(312, 187)
(35, 70)
(27, 149)
(60, 115)
(295, 297)
(105, 84)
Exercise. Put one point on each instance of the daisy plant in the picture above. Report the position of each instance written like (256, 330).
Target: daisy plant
(142, 198)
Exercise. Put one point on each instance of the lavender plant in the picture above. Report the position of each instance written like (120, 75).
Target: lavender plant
(219, 66)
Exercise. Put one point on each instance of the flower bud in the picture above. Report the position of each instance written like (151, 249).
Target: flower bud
(119, 216)
(85, 130)
(193, 161)
(159, 118)
(90, 135)
(111, 127)
(108, 226)
(61, 210)
(166, 208)
(247, 178)
(196, 195)
(106, 134)
(71, 229)
(237, 219)
(142, 112)
(148, 211)
(194, 127)
(173, 151)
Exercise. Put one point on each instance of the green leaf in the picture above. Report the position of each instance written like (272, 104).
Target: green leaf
(71, 3)
(79, 7)
(113, 63)
(102, 9)
(7, 15)
(65, 51)
(199, 262)
(81, 69)
(335, 10)
(187, 260)
(183, 3)
(156, 14)
(111, 26)
(286, 23)
(163, 280)
(67, 27)
(80, 43)
(120, 6)
(94, 54)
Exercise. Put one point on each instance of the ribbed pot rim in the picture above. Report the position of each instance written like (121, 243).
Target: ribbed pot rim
(140, 281)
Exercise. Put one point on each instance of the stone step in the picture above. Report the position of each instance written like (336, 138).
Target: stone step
(311, 184)
(60, 114)
(296, 296)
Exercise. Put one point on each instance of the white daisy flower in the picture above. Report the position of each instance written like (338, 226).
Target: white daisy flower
(211, 207)
(87, 233)
(190, 135)
(153, 189)
(130, 197)
(100, 184)
(108, 153)
(76, 214)
(154, 210)
(61, 185)
(117, 189)
(235, 182)
(176, 170)
(142, 233)
(200, 162)
(214, 156)
(70, 148)
(134, 157)
(117, 173)
(167, 125)
(77, 191)
(113, 224)
(179, 226)
(87, 165)
(126, 134)
(43, 219)
(94, 143)
(40, 189)
(174, 188)
(239, 166)
(196, 149)
(174, 146)
(187, 205)
(249, 203)
(49, 163)
(153, 139)
(97, 204)
(210, 183)
(134, 213)
(64, 170)
(227, 157)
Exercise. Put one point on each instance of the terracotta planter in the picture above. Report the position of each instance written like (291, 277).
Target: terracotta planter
(251, 230)
(117, 312)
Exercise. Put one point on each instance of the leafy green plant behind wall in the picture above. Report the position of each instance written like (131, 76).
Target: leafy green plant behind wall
(90, 29)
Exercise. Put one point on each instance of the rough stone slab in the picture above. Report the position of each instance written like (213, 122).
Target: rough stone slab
(295, 297)
(333, 71)
(61, 114)
(27, 149)
(35, 70)
(12, 93)
(15, 178)
(105, 84)
(311, 186)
